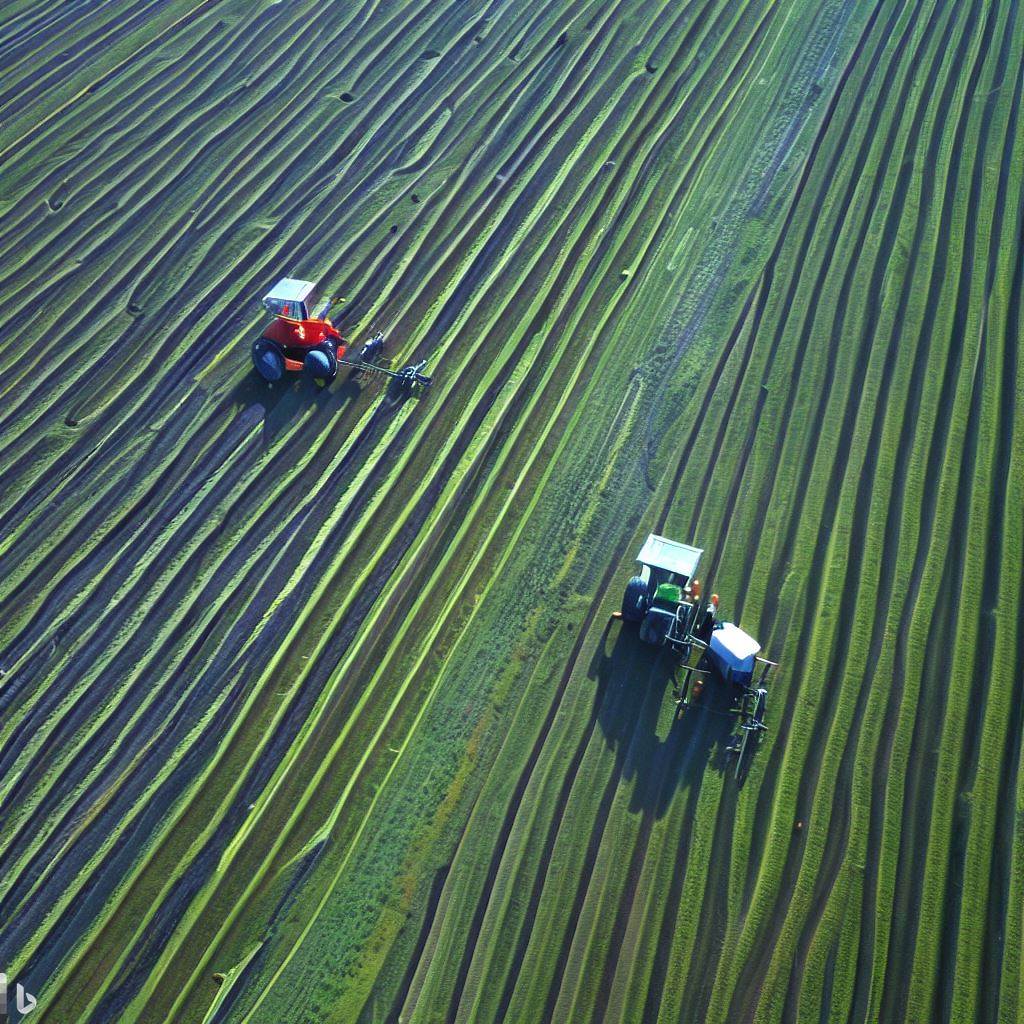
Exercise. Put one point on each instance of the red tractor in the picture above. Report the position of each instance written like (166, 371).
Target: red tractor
(301, 337)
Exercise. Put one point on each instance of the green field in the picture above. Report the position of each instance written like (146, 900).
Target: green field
(311, 708)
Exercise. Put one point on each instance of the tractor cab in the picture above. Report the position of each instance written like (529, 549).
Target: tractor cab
(664, 596)
(668, 561)
(295, 300)
(300, 336)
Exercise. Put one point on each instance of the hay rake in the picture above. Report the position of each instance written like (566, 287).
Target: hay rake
(302, 338)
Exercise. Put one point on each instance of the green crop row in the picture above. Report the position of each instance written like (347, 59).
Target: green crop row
(312, 705)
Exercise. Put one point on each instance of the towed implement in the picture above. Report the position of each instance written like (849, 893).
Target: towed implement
(302, 339)
(664, 600)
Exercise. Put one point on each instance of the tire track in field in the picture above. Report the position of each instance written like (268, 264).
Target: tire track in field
(710, 935)
(679, 758)
(469, 946)
(554, 828)
(771, 612)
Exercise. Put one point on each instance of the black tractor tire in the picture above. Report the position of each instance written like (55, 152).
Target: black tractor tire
(636, 600)
(321, 362)
(268, 359)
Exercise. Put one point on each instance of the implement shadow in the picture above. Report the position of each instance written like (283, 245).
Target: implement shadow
(657, 752)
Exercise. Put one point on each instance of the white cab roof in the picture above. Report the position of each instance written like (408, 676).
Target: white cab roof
(670, 555)
(289, 289)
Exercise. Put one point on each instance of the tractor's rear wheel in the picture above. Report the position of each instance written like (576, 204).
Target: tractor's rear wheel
(636, 599)
(321, 363)
(268, 358)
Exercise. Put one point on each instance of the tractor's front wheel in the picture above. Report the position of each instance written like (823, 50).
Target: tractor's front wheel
(321, 363)
(636, 600)
(268, 358)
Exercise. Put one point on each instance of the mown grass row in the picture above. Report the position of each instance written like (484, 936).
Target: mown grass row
(838, 938)
(270, 660)
(102, 731)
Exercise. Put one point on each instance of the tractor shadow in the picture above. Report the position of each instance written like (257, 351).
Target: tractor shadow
(286, 401)
(657, 751)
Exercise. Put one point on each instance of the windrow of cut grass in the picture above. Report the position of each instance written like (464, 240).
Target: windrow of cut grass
(317, 689)
(182, 568)
(869, 427)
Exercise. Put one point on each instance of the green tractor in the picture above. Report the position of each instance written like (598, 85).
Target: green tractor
(664, 599)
